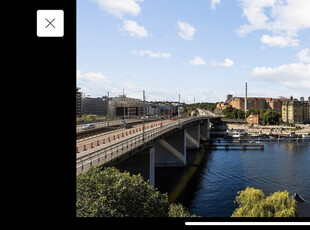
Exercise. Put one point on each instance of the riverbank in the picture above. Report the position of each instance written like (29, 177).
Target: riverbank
(271, 129)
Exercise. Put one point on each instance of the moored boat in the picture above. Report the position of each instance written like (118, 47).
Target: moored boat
(305, 136)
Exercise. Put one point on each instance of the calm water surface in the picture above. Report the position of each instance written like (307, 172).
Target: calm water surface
(209, 184)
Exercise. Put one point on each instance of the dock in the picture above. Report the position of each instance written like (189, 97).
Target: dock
(236, 147)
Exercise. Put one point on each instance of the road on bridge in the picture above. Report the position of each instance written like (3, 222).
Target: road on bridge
(91, 144)
(102, 124)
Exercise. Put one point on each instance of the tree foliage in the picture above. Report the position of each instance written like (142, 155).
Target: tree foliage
(233, 113)
(110, 193)
(86, 118)
(178, 210)
(253, 203)
(193, 107)
(266, 116)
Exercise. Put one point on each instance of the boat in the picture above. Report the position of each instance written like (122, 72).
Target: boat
(303, 207)
(255, 135)
(237, 134)
(305, 136)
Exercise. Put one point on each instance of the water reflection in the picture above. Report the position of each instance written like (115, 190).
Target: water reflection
(209, 183)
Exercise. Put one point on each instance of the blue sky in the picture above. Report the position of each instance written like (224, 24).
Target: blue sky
(202, 49)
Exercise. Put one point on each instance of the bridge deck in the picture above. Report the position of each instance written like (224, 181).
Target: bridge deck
(123, 144)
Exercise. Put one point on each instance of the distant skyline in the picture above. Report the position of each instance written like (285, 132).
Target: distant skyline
(202, 49)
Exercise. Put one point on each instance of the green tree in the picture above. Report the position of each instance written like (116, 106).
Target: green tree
(178, 210)
(253, 203)
(110, 193)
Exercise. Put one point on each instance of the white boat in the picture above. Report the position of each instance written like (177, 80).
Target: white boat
(237, 134)
(305, 136)
(255, 134)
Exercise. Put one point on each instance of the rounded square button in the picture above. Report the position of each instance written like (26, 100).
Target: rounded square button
(50, 23)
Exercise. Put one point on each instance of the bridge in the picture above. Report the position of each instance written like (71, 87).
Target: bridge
(164, 143)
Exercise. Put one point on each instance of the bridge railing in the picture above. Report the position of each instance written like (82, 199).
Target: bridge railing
(102, 124)
(111, 152)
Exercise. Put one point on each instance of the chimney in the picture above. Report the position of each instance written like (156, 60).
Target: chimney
(246, 98)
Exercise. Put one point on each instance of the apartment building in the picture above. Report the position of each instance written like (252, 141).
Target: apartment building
(295, 111)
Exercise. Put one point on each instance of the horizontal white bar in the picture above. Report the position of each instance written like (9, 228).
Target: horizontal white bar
(247, 223)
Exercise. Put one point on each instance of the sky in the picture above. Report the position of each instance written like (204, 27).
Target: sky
(200, 49)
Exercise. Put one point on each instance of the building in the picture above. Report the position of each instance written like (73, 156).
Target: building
(152, 109)
(78, 102)
(220, 107)
(97, 106)
(294, 111)
(126, 107)
(164, 109)
(253, 119)
(309, 107)
(257, 103)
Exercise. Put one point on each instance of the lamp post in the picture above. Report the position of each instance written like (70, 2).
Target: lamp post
(143, 113)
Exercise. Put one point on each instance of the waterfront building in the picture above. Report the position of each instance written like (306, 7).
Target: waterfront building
(253, 119)
(257, 103)
(294, 111)
(252, 103)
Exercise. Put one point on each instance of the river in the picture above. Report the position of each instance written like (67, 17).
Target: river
(208, 185)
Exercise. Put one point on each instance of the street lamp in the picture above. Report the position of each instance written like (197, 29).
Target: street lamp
(143, 113)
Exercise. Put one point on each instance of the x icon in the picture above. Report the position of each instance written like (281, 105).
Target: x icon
(50, 23)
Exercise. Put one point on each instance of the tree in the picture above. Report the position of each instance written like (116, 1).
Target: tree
(253, 203)
(178, 210)
(266, 116)
(110, 193)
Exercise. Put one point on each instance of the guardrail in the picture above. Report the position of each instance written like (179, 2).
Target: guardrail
(111, 152)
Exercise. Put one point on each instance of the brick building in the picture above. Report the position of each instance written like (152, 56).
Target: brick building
(257, 103)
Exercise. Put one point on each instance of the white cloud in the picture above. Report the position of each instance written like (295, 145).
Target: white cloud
(280, 41)
(214, 3)
(281, 17)
(92, 77)
(151, 54)
(197, 61)
(134, 29)
(226, 63)
(304, 55)
(119, 8)
(95, 84)
(186, 31)
(293, 76)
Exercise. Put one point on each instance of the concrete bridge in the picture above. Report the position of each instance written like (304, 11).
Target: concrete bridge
(162, 146)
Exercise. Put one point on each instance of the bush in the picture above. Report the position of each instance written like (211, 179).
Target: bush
(177, 210)
(253, 203)
(110, 193)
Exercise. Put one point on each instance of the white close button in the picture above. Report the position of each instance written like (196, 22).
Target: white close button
(50, 23)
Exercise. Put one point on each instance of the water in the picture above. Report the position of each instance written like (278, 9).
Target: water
(209, 184)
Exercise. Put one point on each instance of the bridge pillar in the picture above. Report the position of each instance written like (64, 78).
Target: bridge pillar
(152, 166)
(171, 150)
(205, 130)
(193, 137)
(209, 128)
